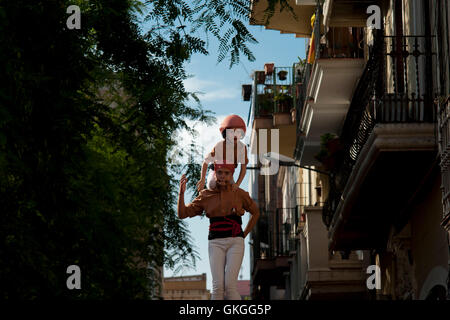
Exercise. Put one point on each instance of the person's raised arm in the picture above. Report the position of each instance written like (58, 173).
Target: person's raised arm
(181, 207)
(192, 209)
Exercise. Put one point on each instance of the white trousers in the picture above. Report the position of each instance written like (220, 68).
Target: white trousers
(225, 259)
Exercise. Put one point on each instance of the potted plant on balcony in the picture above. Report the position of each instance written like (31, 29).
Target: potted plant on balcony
(284, 100)
(268, 88)
(265, 104)
(330, 150)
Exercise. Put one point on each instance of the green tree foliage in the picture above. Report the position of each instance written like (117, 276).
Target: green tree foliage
(88, 122)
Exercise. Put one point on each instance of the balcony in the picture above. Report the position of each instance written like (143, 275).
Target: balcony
(388, 144)
(284, 21)
(273, 101)
(273, 246)
(276, 231)
(337, 64)
(323, 275)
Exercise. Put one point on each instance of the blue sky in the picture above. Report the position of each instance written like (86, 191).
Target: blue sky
(221, 87)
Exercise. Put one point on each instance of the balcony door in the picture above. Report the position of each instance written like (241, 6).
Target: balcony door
(409, 62)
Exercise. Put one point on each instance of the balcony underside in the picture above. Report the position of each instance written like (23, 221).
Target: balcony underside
(284, 21)
(388, 172)
(287, 134)
(344, 13)
(270, 271)
(331, 89)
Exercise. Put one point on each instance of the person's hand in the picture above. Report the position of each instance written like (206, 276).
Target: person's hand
(241, 212)
(234, 187)
(183, 184)
(200, 184)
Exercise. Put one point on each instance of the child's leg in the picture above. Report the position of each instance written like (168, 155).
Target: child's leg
(211, 180)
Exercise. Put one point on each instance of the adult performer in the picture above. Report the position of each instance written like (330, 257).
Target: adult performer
(224, 208)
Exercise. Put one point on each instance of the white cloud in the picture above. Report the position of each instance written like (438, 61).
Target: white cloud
(196, 84)
(207, 137)
(219, 94)
(210, 90)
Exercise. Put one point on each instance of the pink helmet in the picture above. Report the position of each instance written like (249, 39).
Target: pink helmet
(232, 122)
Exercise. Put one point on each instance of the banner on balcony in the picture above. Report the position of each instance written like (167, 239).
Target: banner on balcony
(312, 45)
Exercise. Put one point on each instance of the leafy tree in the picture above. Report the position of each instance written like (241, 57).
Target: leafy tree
(87, 125)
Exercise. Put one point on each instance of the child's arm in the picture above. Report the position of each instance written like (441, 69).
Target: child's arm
(201, 182)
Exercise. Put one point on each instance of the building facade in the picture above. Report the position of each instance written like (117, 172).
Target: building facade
(366, 182)
(243, 287)
(186, 288)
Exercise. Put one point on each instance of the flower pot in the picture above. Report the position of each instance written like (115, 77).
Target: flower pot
(282, 75)
(246, 92)
(260, 77)
(268, 69)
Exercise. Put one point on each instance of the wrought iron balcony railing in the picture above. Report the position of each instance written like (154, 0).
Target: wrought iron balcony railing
(302, 87)
(274, 91)
(444, 151)
(394, 88)
(338, 42)
(276, 233)
(280, 244)
(287, 220)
